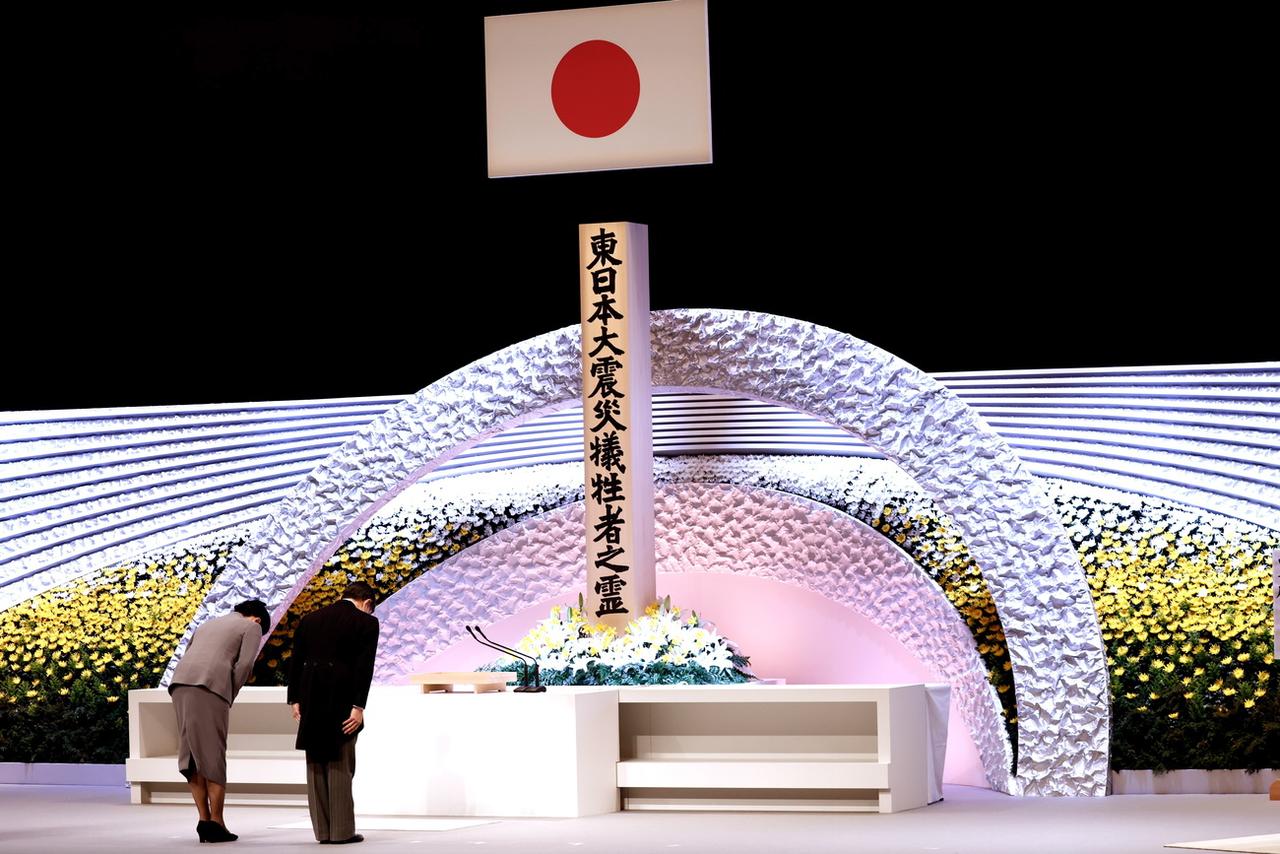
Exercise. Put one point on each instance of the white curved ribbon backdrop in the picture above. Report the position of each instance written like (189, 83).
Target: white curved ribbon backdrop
(708, 528)
(1008, 522)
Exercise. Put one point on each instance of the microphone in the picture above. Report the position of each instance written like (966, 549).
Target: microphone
(525, 688)
(537, 680)
(537, 686)
(524, 667)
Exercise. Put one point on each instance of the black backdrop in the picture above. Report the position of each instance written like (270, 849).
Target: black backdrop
(255, 205)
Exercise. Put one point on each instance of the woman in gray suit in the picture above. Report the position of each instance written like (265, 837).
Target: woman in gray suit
(216, 665)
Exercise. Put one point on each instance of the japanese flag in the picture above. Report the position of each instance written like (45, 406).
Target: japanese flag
(617, 87)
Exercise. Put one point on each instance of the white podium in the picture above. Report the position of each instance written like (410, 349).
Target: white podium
(262, 766)
(584, 751)
(489, 754)
(830, 748)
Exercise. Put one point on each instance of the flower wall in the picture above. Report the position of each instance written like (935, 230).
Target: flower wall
(1182, 597)
(69, 656)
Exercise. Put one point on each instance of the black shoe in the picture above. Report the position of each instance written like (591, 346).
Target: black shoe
(214, 832)
(356, 838)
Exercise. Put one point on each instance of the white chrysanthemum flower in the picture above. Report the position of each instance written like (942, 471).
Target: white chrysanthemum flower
(716, 657)
(644, 655)
(553, 661)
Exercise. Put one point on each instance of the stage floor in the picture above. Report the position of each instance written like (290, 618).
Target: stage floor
(54, 819)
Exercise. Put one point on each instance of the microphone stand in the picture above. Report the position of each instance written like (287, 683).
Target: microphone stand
(524, 668)
(537, 687)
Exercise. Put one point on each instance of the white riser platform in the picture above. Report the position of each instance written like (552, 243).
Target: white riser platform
(580, 751)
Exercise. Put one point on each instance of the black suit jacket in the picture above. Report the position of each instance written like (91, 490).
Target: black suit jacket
(330, 671)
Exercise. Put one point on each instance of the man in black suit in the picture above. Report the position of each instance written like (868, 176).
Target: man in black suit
(329, 677)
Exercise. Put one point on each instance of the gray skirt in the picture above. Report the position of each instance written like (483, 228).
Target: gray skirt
(202, 732)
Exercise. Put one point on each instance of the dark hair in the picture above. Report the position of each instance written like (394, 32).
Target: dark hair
(256, 608)
(359, 591)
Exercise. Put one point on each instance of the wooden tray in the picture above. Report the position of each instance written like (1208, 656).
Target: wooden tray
(480, 683)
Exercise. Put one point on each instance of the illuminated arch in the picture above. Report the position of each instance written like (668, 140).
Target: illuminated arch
(1008, 522)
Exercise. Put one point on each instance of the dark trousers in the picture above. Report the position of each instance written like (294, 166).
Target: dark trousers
(333, 813)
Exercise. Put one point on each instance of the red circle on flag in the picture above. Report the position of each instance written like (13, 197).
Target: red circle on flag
(595, 88)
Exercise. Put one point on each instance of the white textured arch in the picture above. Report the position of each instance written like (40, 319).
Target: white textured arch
(1008, 522)
(708, 528)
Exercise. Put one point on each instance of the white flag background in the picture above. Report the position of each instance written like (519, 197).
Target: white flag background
(600, 54)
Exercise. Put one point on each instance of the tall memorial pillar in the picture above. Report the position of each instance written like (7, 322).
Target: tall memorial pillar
(617, 420)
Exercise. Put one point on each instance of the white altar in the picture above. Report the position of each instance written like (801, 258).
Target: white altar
(551, 754)
(584, 751)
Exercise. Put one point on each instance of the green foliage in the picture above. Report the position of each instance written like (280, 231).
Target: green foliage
(657, 673)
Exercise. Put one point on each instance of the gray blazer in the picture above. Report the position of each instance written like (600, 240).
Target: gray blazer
(220, 655)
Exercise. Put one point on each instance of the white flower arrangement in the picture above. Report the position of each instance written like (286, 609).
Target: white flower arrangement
(567, 641)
